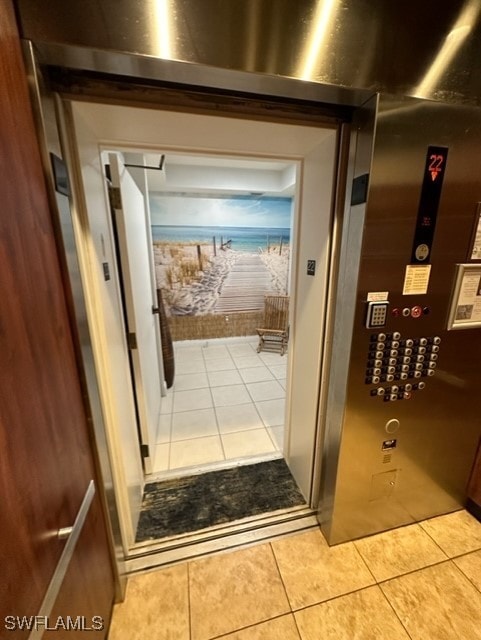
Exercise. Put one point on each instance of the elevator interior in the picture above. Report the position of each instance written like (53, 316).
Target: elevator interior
(91, 128)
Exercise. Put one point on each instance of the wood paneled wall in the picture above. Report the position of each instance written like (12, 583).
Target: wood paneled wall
(46, 460)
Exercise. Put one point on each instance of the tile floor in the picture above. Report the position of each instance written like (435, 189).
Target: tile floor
(227, 403)
(421, 582)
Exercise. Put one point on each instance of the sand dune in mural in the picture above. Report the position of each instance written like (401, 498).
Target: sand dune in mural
(196, 282)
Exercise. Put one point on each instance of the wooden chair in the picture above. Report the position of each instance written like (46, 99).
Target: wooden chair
(274, 333)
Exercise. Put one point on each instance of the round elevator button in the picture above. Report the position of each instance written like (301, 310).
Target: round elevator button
(392, 425)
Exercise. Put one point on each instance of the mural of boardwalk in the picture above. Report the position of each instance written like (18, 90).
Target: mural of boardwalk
(245, 287)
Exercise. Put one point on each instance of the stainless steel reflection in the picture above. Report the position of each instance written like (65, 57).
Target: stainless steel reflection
(349, 260)
(436, 428)
(400, 48)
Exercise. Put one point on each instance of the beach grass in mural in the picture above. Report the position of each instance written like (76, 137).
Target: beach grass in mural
(216, 255)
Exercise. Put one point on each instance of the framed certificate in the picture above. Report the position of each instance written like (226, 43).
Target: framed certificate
(465, 311)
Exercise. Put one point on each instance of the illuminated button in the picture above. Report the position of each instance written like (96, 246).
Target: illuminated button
(408, 387)
(404, 376)
(396, 335)
(434, 349)
(407, 395)
(422, 350)
(432, 365)
(380, 391)
(395, 344)
(406, 312)
(417, 374)
(408, 352)
(394, 353)
(375, 380)
(431, 372)
(406, 359)
(436, 339)
(421, 385)
(389, 377)
(378, 363)
(381, 337)
(393, 397)
(379, 355)
(423, 341)
(420, 358)
(409, 342)
(416, 311)
(380, 346)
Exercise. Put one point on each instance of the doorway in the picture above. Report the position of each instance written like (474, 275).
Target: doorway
(313, 150)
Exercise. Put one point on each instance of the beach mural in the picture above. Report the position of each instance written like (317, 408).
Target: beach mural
(218, 255)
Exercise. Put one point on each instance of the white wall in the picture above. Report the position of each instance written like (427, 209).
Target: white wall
(95, 243)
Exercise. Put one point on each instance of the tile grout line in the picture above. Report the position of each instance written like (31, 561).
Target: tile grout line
(464, 574)
(215, 413)
(394, 611)
(251, 626)
(282, 580)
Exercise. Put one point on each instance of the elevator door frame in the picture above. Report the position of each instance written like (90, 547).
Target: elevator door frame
(291, 99)
(319, 167)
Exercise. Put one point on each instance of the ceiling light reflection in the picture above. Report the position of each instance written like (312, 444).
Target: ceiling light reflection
(452, 43)
(324, 14)
(161, 26)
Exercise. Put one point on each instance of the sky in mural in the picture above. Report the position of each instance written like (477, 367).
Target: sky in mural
(239, 211)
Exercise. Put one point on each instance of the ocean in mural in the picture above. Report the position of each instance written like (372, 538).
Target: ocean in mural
(218, 255)
(246, 239)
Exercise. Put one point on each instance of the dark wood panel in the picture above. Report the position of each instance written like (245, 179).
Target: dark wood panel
(86, 574)
(46, 458)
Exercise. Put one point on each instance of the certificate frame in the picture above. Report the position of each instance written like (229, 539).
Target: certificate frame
(465, 309)
(474, 254)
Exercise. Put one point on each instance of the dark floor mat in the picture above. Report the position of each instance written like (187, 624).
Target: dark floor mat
(182, 505)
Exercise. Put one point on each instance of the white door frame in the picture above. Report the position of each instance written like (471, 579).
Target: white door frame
(309, 294)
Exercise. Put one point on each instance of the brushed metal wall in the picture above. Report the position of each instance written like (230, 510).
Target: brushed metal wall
(426, 474)
(372, 44)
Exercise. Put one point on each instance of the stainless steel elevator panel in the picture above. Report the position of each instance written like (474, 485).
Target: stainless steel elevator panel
(404, 456)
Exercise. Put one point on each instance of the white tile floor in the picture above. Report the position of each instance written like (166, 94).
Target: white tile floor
(227, 404)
